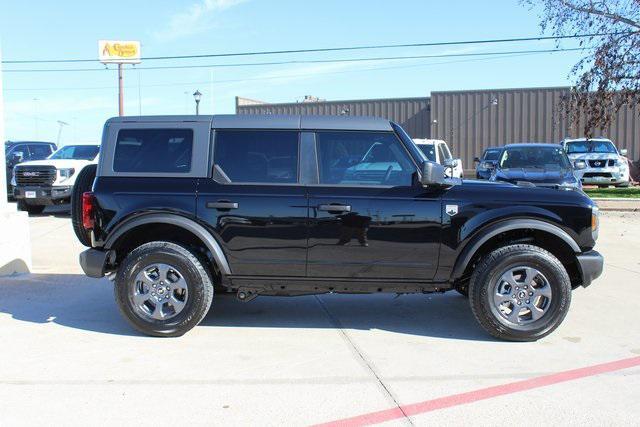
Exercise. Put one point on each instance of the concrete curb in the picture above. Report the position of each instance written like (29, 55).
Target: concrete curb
(618, 204)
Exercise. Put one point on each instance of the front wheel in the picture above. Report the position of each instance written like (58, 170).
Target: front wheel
(520, 293)
(163, 289)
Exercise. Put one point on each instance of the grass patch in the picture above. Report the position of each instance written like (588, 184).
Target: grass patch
(623, 193)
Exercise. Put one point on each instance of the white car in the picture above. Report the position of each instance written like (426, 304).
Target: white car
(437, 150)
(40, 183)
(604, 164)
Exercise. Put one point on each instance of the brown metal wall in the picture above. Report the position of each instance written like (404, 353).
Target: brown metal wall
(410, 113)
(471, 121)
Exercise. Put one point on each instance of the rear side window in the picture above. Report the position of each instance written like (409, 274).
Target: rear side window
(153, 150)
(269, 157)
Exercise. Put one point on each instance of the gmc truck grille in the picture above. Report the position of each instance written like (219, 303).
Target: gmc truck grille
(35, 175)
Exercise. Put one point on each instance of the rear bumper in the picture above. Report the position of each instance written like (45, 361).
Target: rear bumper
(591, 266)
(94, 262)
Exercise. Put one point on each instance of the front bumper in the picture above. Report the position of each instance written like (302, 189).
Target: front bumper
(591, 265)
(94, 262)
(49, 195)
(602, 176)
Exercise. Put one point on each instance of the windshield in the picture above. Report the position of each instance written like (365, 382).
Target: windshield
(76, 152)
(491, 154)
(593, 146)
(534, 157)
(429, 151)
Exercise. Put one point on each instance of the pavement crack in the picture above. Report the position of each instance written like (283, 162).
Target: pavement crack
(337, 324)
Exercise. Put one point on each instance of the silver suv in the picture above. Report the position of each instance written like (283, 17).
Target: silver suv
(604, 165)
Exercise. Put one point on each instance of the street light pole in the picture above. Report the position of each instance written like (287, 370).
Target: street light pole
(197, 96)
(120, 90)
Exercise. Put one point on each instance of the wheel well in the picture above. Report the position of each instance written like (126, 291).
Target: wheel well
(152, 232)
(545, 240)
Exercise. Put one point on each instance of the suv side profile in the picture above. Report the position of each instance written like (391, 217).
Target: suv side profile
(183, 207)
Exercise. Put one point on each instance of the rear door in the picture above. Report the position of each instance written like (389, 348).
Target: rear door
(255, 202)
(369, 219)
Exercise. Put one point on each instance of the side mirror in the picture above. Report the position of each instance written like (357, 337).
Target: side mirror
(580, 164)
(17, 157)
(432, 174)
(623, 152)
(451, 163)
(488, 165)
(476, 160)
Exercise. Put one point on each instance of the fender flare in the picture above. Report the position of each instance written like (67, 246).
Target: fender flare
(485, 234)
(179, 221)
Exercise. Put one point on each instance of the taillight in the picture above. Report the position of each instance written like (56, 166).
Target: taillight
(88, 209)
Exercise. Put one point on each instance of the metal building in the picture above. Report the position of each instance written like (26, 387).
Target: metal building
(471, 121)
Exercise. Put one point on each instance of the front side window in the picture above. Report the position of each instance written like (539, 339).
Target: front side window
(268, 157)
(491, 154)
(363, 158)
(39, 151)
(153, 150)
(76, 152)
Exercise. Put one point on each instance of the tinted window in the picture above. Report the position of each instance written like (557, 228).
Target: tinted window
(40, 151)
(153, 150)
(491, 154)
(442, 154)
(363, 158)
(429, 151)
(258, 156)
(76, 152)
(534, 157)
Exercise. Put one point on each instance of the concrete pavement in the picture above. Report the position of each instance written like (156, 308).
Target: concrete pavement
(69, 358)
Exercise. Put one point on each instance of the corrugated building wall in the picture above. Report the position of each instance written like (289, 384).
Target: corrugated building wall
(470, 121)
(410, 113)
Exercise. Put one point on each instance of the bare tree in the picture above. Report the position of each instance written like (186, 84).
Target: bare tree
(609, 76)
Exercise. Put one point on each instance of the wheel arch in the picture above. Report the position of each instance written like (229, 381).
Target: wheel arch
(175, 222)
(546, 235)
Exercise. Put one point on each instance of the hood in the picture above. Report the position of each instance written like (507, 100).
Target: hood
(592, 156)
(58, 164)
(533, 175)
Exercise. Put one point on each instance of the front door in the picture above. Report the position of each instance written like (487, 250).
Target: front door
(369, 219)
(255, 204)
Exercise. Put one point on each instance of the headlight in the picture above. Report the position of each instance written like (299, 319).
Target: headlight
(595, 222)
(65, 173)
(13, 178)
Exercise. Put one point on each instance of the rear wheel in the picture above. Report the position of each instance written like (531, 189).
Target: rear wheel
(84, 182)
(31, 209)
(520, 293)
(163, 289)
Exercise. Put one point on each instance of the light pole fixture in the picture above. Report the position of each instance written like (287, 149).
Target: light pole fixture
(197, 96)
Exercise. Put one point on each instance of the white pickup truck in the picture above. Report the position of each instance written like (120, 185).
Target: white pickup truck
(50, 182)
(437, 150)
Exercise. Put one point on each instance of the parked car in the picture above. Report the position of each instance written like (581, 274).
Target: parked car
(183, 207)
(539, 164)
(48, 182)
(437, 150)
(486, 163)
(604, 164)
(21, 151)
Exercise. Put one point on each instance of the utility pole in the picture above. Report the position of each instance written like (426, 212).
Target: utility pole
(120, 91)
(61, 124)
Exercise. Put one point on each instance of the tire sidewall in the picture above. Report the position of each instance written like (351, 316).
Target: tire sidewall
(190, 315)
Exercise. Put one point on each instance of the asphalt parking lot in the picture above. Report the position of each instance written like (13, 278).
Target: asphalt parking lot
(68, 357)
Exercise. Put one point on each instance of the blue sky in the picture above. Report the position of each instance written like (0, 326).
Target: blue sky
(34, 102)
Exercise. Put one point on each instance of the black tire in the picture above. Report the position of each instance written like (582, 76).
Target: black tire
(490, 270)
(84, 182)
(197, 278)
(31, 209)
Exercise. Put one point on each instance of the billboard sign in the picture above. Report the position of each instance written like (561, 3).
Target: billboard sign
(119, 52)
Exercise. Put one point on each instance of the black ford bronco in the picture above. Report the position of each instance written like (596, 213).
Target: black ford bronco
(182, 207)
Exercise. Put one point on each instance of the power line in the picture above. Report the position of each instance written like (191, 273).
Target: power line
(329, 49)
(310, 61)
(285, 76)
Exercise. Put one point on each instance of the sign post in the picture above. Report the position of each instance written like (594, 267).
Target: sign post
(119, 52)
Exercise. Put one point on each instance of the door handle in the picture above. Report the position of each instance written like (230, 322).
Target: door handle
(335, 208)
(222, 205)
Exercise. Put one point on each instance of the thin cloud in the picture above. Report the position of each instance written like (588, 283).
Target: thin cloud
(196, 18)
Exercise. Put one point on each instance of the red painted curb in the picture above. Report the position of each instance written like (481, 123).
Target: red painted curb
(482, 394)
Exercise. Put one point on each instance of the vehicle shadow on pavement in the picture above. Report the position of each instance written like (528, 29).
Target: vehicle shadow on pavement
(75, 301)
